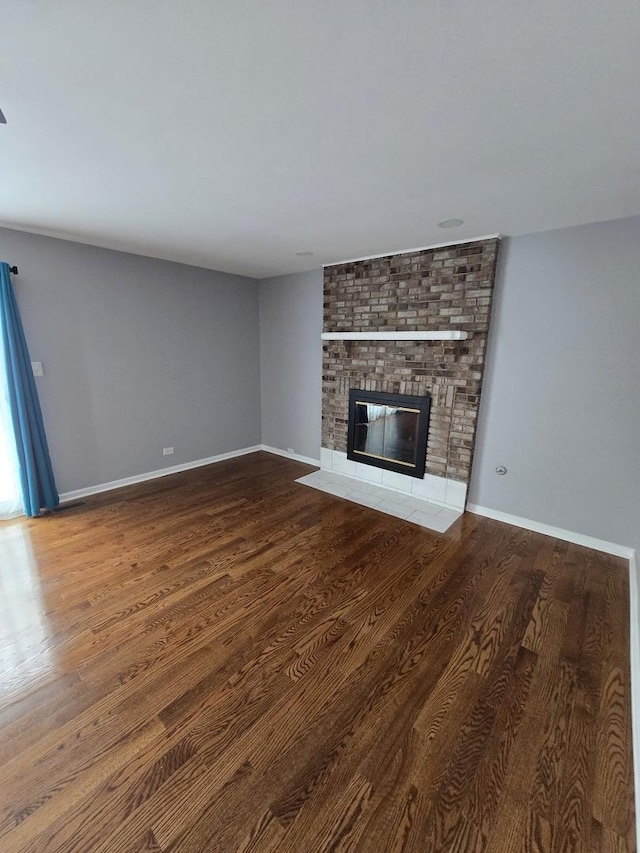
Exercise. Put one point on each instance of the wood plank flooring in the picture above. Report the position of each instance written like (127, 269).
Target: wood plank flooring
(226, 660)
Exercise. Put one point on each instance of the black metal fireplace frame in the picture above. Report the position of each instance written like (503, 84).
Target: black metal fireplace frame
(422, 403)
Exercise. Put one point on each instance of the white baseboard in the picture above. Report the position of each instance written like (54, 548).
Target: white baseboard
(76, 494)
(550, 530)
(634, 643)
(308, 460)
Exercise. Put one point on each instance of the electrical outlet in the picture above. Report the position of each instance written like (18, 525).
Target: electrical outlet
(290, 450)
(167, 451)
(37, 368)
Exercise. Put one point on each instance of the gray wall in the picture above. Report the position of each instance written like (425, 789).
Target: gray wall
(561, 400)
(139, 354)
(291, 362)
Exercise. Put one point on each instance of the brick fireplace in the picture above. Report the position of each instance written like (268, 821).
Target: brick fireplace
(431, 290)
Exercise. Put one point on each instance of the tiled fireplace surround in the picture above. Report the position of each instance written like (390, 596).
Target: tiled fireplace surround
(444, 288)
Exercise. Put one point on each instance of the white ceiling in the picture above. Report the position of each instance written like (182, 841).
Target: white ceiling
(232, 133)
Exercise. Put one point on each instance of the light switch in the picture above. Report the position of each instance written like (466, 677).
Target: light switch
(37, 368)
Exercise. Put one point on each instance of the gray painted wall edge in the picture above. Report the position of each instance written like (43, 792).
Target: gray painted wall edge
(291, 362)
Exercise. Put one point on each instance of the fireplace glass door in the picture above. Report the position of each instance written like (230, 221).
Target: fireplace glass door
(388, 431)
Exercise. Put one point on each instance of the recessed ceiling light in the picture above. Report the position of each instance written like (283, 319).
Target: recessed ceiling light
(450, 223)
(2, 118)
(304, 254)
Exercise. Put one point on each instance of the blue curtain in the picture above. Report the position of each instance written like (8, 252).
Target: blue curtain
(36, 475)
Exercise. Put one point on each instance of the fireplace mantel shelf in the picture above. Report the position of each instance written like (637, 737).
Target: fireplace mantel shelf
(444, 335)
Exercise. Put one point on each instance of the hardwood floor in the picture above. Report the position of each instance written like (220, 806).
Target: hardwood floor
(226, 660)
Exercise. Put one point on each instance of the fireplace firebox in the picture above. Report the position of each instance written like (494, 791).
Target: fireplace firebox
(389, 431)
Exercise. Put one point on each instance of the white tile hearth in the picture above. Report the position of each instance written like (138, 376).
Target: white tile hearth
(448, 493)
(417, 511)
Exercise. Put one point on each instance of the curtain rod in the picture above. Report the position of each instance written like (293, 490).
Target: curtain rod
(13, 270)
